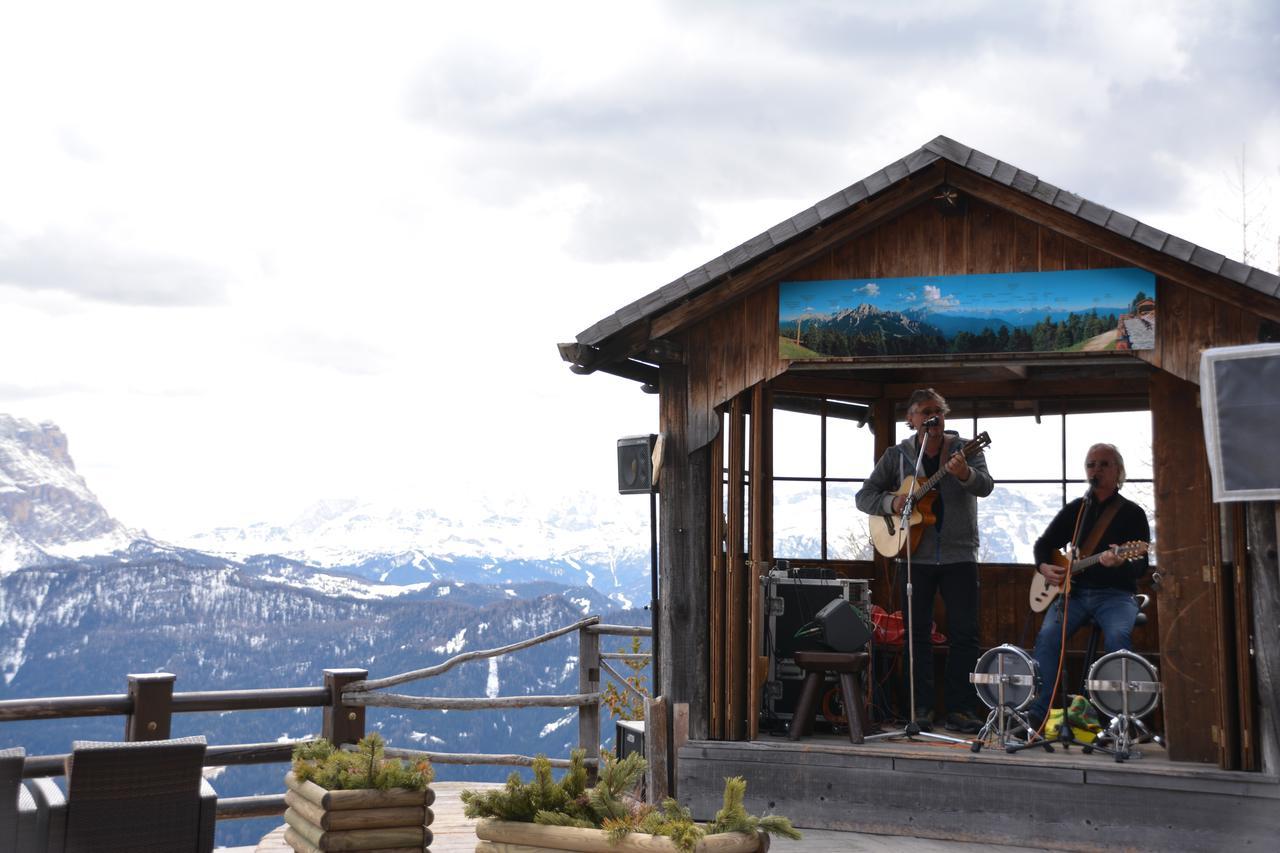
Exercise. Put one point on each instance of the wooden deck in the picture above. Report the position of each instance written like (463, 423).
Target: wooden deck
(1061, 800)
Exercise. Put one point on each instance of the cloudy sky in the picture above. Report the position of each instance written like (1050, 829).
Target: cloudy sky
(252, 255)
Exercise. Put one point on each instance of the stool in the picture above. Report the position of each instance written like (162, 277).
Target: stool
(1095, 637)
(816, 665)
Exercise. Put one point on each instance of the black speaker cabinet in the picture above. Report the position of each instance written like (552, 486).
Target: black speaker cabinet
(791, 604)
(1240, 401)
(635, 464)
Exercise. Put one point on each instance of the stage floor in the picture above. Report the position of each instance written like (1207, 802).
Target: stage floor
(1064, 799)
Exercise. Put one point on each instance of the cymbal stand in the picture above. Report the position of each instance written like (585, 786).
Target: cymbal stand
(912, 730)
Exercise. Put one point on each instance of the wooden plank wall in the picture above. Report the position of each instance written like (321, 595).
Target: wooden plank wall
(1190, 591)
(927, 241)
(728, 353)
(1187, 322)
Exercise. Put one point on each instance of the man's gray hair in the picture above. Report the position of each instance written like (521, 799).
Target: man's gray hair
(922, 395)
(1115, 454)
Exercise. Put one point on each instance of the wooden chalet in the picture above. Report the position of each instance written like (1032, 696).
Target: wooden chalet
(708, 343)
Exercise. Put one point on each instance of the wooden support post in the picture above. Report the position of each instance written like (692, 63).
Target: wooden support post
(684, 557)
(656, 744)
(589, 682)
(342, 723)
(1264, 580)
(152, 695)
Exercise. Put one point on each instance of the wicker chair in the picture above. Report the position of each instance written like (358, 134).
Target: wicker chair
(145, 797)
(19, 819)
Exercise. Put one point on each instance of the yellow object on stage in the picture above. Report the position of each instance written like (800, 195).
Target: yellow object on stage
(1055, 720)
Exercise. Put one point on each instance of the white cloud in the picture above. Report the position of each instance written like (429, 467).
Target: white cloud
(269, 253)
(934, 300)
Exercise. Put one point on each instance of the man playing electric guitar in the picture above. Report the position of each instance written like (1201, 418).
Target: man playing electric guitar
(945, 559)
(1104, 591)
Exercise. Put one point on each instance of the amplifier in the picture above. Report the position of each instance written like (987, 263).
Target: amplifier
(791, 603)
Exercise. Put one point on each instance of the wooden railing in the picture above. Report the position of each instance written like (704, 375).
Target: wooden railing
(150, 703)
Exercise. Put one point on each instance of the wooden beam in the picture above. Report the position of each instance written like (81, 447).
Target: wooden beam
(735, 610)
(862, 217)
(716, 593)
(760, 550)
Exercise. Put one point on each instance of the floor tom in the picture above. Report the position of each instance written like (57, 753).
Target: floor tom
(1010, 670)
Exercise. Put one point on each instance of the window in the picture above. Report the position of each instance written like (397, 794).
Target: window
(822, 451)
(1039, 467)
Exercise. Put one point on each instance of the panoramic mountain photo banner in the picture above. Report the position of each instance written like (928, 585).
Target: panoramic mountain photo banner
(1069, 311)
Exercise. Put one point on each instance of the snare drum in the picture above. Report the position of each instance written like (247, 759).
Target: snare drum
(1120, 675)
(1011, 667)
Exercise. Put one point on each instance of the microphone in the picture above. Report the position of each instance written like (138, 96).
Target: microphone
(1088, 492)
(932, 422)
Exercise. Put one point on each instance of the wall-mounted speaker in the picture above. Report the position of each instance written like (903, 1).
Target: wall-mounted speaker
(635, 464)
(1240, 401)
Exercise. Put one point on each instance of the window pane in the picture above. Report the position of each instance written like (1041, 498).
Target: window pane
(1012, 518)
(1022, 449)
(850, 449)
(847, 536)
(1129, 431)
(797, 520)
(797, 444)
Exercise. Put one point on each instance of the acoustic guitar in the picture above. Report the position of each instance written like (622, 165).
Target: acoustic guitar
(1043, 593)
(888, 536)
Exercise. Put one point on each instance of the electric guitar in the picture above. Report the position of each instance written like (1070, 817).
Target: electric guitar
(888, 536)
(1043, 593)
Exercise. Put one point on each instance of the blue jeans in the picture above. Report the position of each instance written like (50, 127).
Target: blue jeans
(1113, 609)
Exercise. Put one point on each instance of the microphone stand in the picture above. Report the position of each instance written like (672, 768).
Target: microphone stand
(912, 729)
(1066, 737)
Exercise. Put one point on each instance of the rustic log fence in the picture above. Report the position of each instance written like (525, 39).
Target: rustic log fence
(150, 703)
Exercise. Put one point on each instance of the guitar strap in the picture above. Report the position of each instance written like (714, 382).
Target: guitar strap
(1100, 527)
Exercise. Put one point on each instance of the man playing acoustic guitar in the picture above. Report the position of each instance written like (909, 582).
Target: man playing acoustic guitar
(1104, 591)
(945, 559)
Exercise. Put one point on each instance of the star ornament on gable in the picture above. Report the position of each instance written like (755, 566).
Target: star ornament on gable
(949, 201)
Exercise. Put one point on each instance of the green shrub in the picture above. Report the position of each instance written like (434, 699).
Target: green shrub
(611, 806)
(334, 769)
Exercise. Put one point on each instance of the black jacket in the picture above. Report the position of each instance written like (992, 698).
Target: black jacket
(1129, 524)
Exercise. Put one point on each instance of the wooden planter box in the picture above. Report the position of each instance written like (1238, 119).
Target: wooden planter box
(394, 821)
(503, 836)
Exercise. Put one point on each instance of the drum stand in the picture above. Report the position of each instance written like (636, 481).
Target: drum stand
(912, 729)
(1004, 718)
(1120, 731)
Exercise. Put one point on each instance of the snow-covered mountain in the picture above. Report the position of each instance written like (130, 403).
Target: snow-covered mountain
(46, 510)
(601, 543)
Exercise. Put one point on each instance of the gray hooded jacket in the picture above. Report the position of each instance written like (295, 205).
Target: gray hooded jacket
(957, 542)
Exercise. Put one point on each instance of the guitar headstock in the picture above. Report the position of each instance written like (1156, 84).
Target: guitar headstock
(978, 442)
(1129, 550)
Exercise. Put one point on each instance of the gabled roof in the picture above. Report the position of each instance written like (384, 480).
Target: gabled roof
(941, 148)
